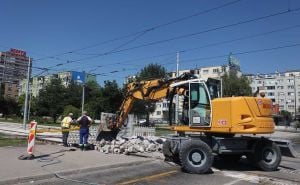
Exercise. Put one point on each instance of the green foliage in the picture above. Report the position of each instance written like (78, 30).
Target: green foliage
(235, 86)
(71, 109)
(286, 115)
(152, 71)
(51, 100)
(9, 107)
(73, 95)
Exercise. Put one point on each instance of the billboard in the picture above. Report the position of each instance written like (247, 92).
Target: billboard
(78, 77)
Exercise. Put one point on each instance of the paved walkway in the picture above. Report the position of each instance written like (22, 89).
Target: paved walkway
(51, 159)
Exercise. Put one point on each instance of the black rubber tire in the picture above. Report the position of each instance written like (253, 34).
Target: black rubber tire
(195, 156)
(267, 156)
(169, 155)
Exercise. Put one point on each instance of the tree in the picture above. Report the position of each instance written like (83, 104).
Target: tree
(113, 96)
(51, 99)
(73, 95)
(93, 99)
(9, 106)
(152, 71)
(235, 86)
(71, 109)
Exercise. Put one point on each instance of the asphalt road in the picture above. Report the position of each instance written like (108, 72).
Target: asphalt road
(160, 172)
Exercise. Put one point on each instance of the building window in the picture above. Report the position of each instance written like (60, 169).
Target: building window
(205, 71)
(158, 112)
(290, 94)
(280, 87)
(215, 70)
(165, 105)
(290, 87)
(291, 106)
(270, 87)
(270, 94)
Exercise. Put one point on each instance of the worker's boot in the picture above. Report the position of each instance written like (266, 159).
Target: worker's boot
(81, 146)
(84, 147)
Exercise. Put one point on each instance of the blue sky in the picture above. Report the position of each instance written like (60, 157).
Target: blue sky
(50, 30)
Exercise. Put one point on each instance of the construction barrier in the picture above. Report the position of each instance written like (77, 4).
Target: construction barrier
(31, 142)
(31, 137)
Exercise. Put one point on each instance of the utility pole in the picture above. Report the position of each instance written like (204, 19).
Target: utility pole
(295, 91)
(177, 98)
(26, 96)
(83, 95)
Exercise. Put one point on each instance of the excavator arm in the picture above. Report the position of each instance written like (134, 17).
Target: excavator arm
(150, 90)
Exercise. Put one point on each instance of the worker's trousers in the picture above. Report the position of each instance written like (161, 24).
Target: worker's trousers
(65, 135)
(84, 135)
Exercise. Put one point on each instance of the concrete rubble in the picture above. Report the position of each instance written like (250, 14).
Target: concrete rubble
(135, 144)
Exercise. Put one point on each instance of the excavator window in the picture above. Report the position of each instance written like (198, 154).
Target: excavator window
(199, 109)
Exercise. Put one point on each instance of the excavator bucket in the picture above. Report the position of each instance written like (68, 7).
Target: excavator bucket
(106, 129)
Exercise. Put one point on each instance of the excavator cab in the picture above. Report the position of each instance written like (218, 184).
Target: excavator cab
(190, 103)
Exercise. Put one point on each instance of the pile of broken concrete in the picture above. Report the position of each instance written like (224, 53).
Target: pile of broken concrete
(130, 145)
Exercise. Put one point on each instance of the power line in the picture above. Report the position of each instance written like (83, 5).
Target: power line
(244, 52)
(207, 45)
(226, 55)
(188, 35)
(148, 29)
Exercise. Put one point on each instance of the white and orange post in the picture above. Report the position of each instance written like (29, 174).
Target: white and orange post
(31, 137)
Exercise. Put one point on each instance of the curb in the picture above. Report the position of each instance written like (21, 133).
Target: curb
(29, 179)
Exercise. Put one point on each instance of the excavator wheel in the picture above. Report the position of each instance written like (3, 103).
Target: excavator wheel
(196, 156)
(267, 156)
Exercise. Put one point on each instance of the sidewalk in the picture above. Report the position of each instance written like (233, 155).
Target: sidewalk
(51, 159)
(18, 130)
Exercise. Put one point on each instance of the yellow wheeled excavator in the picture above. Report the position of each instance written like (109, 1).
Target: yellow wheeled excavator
(207, 124)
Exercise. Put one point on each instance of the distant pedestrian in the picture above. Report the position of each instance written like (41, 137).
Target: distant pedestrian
(84, 122)
(65, 126)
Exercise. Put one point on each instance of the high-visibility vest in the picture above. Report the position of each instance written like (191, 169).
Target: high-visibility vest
(66, 122)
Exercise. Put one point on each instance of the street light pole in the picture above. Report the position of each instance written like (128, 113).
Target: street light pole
(83, 95)
(177, 98)
(295, 91)
(26, 96)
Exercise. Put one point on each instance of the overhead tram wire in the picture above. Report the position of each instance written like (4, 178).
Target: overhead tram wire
(148, 29)
(226, 55)
(207, 45)
(196, 48)
(187, 35)
(244, 52)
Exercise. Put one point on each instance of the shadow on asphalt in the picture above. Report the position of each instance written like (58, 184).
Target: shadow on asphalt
(241, 165)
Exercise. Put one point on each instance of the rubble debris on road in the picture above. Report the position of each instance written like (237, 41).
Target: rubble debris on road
(136, 144)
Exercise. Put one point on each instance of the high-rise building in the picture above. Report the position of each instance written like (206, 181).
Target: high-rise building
(13, 68)
(282, 88)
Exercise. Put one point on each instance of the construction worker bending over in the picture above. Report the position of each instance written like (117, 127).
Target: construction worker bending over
(84, 122)
(65, 126)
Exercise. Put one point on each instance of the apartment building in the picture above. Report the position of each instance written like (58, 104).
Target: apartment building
(13, 68)
(283, 88)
